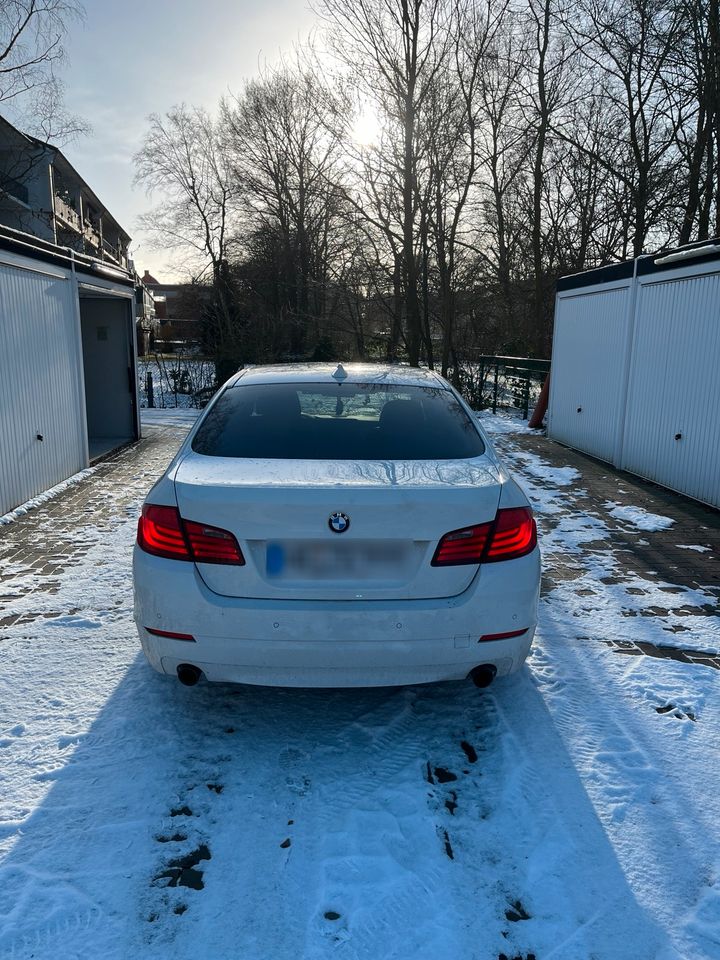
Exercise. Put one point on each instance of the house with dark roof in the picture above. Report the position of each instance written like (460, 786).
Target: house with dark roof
(42, 194)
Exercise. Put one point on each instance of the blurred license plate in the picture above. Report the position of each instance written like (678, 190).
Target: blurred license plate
(316, 559)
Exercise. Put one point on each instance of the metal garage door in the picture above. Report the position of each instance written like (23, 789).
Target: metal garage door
(588, 369)
(41, 393)
(672, 429)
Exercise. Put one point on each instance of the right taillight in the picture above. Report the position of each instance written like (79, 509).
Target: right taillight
(514, 535)
(164, 533)
(511, 535)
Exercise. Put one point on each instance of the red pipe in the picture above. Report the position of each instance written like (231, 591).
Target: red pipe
(541, 409)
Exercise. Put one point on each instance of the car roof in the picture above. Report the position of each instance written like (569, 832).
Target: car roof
(355, 373)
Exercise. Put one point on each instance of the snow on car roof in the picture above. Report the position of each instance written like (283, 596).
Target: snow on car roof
(323, 372)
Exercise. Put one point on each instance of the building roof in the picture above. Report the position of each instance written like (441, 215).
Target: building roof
(702, 251)
(149, 280)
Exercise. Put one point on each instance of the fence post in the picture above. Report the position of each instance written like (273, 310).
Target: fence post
(526, 397)
(149, 389)
(495, 388)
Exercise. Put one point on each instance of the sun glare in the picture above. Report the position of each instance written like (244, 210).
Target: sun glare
(366, 128)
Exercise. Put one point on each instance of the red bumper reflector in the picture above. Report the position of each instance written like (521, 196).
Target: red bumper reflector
(501, 636)
(171, 634)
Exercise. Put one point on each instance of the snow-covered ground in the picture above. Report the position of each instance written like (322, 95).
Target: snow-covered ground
(175, 380)
(571, 812)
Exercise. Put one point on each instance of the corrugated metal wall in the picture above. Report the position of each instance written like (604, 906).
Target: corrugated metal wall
(643, 363)
(41, 389)
(589, 347)
(674, 387)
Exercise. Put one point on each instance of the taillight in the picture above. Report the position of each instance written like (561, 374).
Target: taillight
(511, 535)
(514, 535)
(212, 545)
(462, 546)
(163, 532)
(160, 532)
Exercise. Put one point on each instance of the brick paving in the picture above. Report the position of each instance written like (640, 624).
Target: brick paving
(54, 536)
(658, 556)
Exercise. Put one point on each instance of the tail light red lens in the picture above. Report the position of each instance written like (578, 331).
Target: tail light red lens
(212, 545)
(163, 532)
(462, 546)
(512, 534)
(160, 533)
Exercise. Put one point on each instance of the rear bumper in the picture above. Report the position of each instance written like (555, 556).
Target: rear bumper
(335, 643)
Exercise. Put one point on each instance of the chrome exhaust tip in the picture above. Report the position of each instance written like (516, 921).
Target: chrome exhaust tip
(188, 674)
(483, 675)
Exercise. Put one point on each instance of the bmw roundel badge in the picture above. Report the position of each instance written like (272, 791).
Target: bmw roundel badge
(339, 522)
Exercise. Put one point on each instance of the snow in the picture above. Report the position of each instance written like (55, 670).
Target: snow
(46, 495)
(169, 417)
(569, 812)
(502, 423)
(695, 547)
(175, 380)
(638, 517)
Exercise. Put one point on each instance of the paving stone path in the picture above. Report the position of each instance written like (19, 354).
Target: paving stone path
(51, 537)
(661, 556)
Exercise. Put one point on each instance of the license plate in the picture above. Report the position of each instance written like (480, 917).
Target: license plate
(316, 559)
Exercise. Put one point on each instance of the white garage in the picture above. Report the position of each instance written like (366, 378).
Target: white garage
(67, 364)
(636, 367)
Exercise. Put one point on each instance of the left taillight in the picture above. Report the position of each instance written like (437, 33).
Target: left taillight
(511, 535)
(164, 533)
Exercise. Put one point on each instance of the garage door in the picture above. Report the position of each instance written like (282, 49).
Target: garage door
(672, 429)
(589, 346)
(40, 383)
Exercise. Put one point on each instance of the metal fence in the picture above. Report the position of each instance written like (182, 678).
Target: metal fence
(503, 383)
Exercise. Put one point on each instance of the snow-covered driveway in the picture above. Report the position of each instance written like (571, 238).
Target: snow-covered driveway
(570, 812)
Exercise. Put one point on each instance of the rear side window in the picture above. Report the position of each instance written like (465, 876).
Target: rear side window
(371, 421)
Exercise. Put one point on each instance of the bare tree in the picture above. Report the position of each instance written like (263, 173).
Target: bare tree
(182, 162)
(695, 82)
(32, 33)
(628, 46)
(451, 122)
(396, 49)
(283, 149)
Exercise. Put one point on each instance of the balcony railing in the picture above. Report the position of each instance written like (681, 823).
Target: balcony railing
(92, 236)
(67, 213)
(114, 252)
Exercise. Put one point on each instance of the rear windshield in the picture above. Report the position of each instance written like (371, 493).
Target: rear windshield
(358, 421)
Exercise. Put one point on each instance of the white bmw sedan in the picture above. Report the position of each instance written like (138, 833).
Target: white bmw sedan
(325, 527)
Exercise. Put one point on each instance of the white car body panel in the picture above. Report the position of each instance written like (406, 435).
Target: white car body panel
(405, 622)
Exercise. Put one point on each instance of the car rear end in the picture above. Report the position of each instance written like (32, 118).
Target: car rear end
(391, 566)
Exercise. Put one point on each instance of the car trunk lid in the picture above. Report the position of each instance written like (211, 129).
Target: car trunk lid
(280, 511)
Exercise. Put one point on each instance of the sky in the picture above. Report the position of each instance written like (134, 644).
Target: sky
(138, 57)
